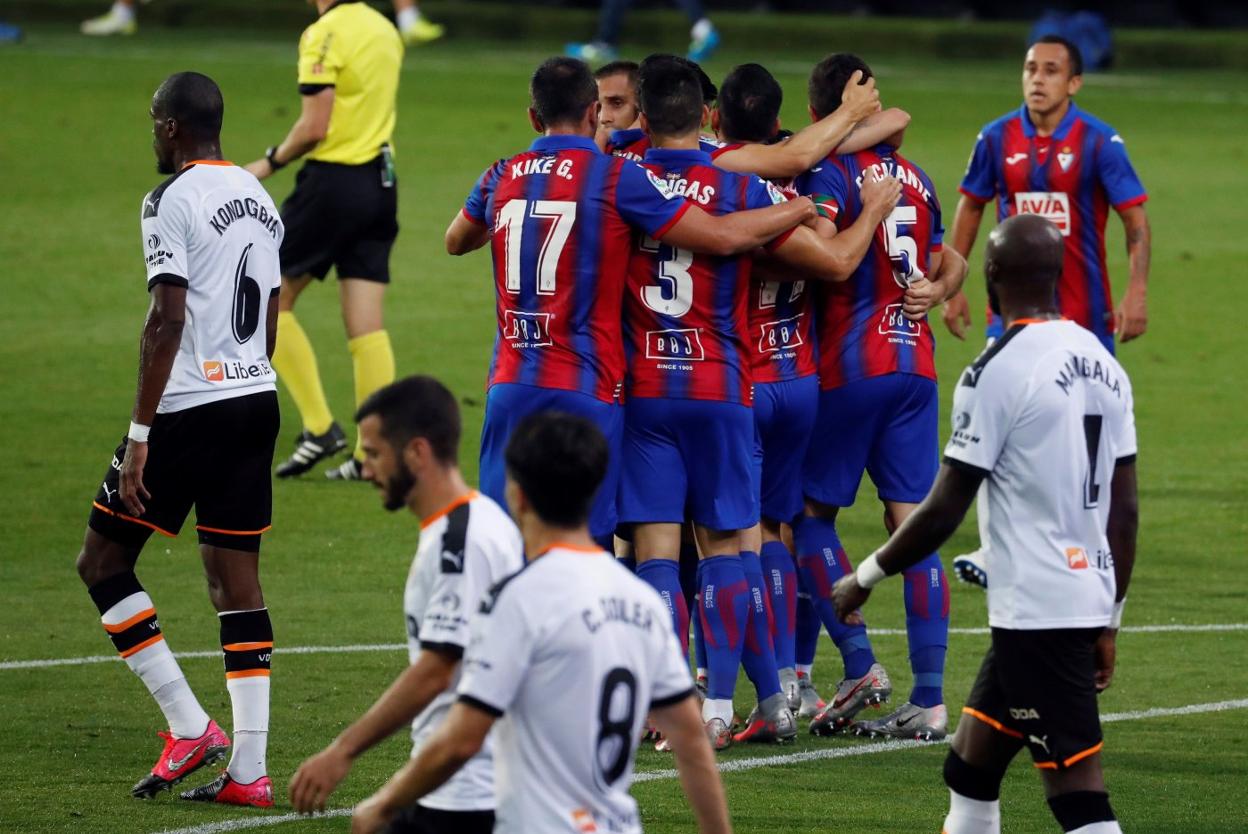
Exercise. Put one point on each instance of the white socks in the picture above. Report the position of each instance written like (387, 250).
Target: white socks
(972, 816)
(720, 708)
(124, 11)
(250, 698)
(1110, 827)
(407, 18)
(702, 29)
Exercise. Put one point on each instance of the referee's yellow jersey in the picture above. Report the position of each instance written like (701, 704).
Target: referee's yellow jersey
(357, 51)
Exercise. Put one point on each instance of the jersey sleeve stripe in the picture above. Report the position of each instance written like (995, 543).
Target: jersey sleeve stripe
(476, 220)
(168, 278)
(969, 468)
(667, 227)
(981, 198)
(477, 703)
(669, 700)
(1125, 460)
(1134, 201)
(452, 650)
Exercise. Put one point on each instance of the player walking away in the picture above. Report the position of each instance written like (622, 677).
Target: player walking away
(563, 216)
(202, 433)
(1043, 428)
(1053, 159)
(689, 424)
(877, 412)
(342, 213)
(414, 27)
(468, 544)
(573, 621)
(618, 104)
(704, 39)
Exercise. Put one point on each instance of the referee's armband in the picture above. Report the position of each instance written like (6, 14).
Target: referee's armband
(312, 89)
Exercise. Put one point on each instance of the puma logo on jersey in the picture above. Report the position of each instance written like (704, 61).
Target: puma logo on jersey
(1042, 742)
(109, 493)
(1015, 158)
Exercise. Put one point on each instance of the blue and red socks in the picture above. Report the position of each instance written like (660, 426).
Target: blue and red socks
(664, 576)
(927, 628)
(821, 562)
(757, 654)
(724, 609)
(780, 575)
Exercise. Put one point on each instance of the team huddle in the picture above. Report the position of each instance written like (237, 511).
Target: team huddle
(702, 345)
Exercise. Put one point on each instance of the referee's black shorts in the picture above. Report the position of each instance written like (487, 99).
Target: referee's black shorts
(215, 457)
(1039, 688)
(340, 216)
(417, 819)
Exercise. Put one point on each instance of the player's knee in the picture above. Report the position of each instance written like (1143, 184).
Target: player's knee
(1077, 809)
(981, 783)
(100, 559)
(820, 510)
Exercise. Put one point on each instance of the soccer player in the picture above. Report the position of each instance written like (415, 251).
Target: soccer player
(468, 544)
(618, 107)
(342, 214)
(689, 425)
(204, 423)
(876, 412)
(572, 622)
(1051, 158)
(560, 219)
(1043, 429)
(704, 39)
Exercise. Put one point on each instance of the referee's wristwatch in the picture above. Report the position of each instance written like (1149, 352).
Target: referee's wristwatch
(271, 155)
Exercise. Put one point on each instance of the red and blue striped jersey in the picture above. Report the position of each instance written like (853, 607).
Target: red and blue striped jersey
(685, 314)
(632, 143)
(562, 216)
(858, 323)
(1072, 178)
(782, 344)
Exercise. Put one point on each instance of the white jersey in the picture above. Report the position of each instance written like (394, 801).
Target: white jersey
(1046, 413)
(573, 651)
(213, 229)
(465, 550)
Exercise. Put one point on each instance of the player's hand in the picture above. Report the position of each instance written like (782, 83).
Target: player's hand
(1131, 320)
(879, 197)
(132, 478)
(316, 779)
(957, 315)
(921, 296)
(860, 99)
(848, 596)
(373, 814)
(259, 169)
(1106, 651)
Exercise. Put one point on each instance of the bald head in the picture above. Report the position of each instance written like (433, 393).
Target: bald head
(1024, 254)
(194, 101)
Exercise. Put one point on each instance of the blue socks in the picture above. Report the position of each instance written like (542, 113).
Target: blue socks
(664, 576)
(780, 583)
(927, 628)
(806, 632)
(757, 655)
(724, 609)
(821, 562)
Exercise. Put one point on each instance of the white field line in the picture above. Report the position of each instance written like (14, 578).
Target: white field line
(1165, 628)
(737, 765)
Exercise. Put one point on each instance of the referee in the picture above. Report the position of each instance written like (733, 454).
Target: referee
(342, 213)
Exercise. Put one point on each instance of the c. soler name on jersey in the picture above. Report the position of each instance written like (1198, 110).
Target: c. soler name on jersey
(617, 610)
(893, 168)
(237, 209)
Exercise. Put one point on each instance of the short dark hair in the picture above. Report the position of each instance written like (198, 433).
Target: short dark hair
(416, 406)
(194, 101)
(828, 80)
(749, 104)
(1076, 57)
(561, 90)
(629, 68)
(671, 95)
(559, 460)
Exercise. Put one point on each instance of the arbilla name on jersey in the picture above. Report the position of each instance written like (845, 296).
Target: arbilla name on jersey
(526, 330)
(231, 370)
(675, 348)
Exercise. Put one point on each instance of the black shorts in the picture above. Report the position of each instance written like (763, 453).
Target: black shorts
(215, 457)
(418, 819)
(1039, 687)
(341, 216)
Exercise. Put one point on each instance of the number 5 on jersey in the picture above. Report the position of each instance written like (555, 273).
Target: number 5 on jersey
(903, 251)
(511, 222)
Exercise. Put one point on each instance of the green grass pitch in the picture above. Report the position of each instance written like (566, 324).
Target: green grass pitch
(75, 162)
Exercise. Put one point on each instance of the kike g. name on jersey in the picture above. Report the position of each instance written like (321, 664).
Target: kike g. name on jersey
(561, 217)
(685, 314)
(1070, 178)
(859, 323)
(572, 651)
(213, 229)
(465, 549)
(1045, 414)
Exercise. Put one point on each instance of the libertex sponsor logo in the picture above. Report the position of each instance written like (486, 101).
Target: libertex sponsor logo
(231, 370)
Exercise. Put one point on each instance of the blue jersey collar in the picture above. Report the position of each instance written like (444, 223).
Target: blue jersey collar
(627, 136)
(563, 142)
(1068, 121)
(677, 157)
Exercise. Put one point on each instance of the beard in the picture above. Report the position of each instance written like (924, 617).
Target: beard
(398, 488)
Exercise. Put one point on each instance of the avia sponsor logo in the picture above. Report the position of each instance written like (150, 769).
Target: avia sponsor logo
(1053, 206)
(1024, 714)
(1077, 558)
(231, 370)
(233, 210)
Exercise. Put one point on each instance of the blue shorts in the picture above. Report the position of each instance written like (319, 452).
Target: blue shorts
(886, 425)
(996, 328)
(784, 416)
(689, 458)
(508, 403)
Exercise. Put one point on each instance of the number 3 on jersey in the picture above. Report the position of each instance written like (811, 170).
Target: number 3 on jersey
(511, 220)
(675, 297)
